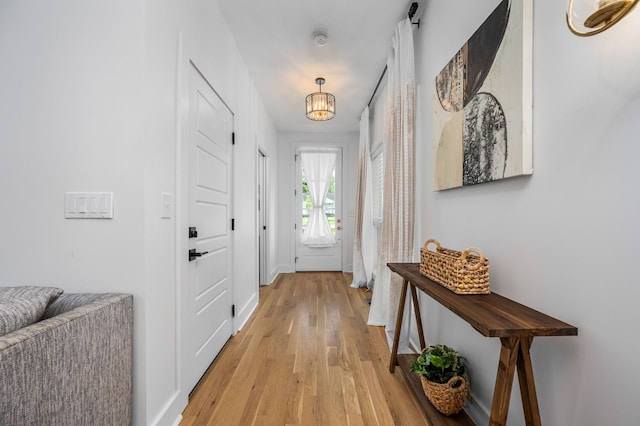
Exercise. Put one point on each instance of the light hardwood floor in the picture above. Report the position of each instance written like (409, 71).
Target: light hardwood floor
(306, 357)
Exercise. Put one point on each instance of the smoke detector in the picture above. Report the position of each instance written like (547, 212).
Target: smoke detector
(320, 39)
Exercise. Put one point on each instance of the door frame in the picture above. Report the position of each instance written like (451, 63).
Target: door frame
(263, 215)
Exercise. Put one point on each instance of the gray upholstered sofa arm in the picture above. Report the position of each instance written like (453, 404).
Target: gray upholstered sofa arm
(72, 369)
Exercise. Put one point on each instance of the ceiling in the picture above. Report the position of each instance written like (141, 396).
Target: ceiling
(275, 38)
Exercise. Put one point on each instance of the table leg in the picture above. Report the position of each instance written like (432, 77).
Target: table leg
(504, 380)
(416, 309)
(527, 385)
(396, 335)
(515, 353)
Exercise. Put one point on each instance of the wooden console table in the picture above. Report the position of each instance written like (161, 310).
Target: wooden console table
(492, 316)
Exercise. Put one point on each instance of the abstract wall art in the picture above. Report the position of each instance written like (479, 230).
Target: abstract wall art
(482, 104)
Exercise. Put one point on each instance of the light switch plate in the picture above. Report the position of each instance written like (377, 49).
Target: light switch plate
(88, 205)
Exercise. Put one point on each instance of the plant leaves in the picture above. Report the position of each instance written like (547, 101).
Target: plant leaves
(439, 364)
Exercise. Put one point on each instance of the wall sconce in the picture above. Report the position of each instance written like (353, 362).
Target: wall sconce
(584, 21)
(321, 106)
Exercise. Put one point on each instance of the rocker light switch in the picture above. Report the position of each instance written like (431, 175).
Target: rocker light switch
(88, 205)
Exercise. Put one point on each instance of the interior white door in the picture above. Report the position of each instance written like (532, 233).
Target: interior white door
(319, 258)
(209, 315)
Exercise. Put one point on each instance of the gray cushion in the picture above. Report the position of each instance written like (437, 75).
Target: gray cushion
(69, 301)
(22, 306)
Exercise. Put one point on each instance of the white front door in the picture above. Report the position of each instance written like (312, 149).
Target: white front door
(209, 302)
(309, 258)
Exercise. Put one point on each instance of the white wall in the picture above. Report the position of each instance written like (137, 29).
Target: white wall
(286, 183)
(206, 41)
(564, 240)
(91, 103)
(71, 121)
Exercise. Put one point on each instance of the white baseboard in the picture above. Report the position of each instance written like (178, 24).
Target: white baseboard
(243, 315)
(282, 269)
(478, 413)
(171, 414)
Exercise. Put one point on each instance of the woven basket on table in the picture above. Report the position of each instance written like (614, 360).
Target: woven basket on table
(447, 398)
(462, 273)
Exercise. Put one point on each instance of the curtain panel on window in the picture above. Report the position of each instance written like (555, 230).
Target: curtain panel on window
(363, 244)
(318, 168)
(396, 243)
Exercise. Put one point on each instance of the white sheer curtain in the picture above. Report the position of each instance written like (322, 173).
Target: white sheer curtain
(318, 168)
(396, 243)
(363, 245)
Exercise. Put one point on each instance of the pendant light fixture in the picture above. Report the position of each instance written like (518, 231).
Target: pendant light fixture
(321, 106)
(589, 17)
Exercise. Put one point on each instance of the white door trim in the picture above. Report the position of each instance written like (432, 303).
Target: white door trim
(263, 215)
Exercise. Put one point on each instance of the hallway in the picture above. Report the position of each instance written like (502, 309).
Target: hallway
(306, 357)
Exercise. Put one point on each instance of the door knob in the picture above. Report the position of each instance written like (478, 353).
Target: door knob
(338, 228)
(193, 255)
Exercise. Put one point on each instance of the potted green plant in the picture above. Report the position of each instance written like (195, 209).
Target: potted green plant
(444, 378)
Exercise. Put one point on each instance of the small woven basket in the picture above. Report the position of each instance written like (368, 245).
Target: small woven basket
(462, 273)
(447, 398)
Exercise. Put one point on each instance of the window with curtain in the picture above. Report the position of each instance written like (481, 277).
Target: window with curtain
(377, 153)
(318, 194)
(377, 166)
